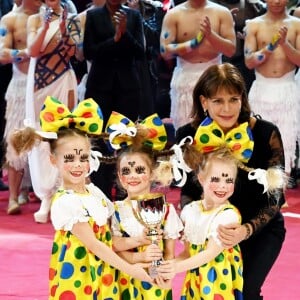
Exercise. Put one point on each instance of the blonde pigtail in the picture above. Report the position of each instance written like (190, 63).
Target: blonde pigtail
(23, 140)
(272, 179)
(163, 174)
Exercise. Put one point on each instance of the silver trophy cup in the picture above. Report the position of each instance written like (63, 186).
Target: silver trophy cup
(149, 209)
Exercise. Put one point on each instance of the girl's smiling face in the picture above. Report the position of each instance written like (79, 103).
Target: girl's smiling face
(218, 183)
(71, 157)
(134, 173)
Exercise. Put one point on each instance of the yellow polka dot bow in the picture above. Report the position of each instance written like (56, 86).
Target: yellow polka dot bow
(209, 137)
(87, 116)
(121, 130)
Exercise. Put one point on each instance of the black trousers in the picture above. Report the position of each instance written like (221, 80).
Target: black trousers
(259, 255)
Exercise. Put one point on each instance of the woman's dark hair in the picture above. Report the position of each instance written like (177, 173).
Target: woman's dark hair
(224, 76)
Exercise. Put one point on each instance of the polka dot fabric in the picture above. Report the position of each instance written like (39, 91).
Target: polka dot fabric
(121, 140)
(134, 289)
(209, 137)
(87, 116)
(157, 136)
(220, 279)
(77, 274)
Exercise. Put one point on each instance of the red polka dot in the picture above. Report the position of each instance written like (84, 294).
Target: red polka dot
(52, 273)
(60, 110)
(152, 133)
(87, 114)
(88, 290)
(48, 117)
(218, 297)
(208, 149)
(53, 290)
(107, 279)
(67, 295)
(68, 244)
(123, 281)
(95, 228)
(236, 147)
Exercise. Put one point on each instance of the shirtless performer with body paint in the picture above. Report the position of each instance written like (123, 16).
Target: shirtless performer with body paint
(197, 32)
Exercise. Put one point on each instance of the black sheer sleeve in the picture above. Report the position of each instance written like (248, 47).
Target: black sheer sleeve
(276, 200)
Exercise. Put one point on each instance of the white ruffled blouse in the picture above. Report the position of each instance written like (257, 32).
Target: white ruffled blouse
(71, 208)
(200, 225)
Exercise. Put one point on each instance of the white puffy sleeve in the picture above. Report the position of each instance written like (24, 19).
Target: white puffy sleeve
(223, 218)
(95, 191)
(173, 225)
(66, 211)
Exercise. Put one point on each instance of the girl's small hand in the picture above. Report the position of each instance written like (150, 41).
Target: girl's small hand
(152, 253)
(140, 273)
(167, 269)
(163, 283)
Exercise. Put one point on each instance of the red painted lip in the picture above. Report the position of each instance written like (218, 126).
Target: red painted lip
(134, 183)
(76, 174)
(220, 194)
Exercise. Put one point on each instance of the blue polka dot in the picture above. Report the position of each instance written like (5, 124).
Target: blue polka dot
(157, 121)
(206, 290)
(207, 121)
(238, 135)
(247, 153)
(125, 121)
(146, 285)
(211, 275)
(67, 270)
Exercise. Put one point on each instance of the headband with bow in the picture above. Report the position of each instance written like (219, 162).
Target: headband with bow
(87, 116)
(121, 130)
(209, 137)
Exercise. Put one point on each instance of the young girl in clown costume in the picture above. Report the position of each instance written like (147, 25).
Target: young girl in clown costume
(137, 168)
(82, 259)
(214, 271)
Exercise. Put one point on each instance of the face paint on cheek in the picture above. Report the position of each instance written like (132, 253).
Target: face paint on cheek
(213, 186)
(145, 177)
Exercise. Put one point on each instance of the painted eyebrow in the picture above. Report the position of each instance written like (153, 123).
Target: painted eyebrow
(214, 179)
(69, 156)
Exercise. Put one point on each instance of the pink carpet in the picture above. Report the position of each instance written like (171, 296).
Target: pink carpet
(25, 249)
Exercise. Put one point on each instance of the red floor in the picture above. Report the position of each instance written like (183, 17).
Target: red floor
(25, 248)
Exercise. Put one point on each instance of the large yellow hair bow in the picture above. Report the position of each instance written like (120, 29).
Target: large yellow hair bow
(209, 137)
(121, 130)
(87, 116)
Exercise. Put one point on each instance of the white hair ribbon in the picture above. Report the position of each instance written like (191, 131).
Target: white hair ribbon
(94, 161)
(120, 129)
(260, 175)
(44, 134)
(178, 162)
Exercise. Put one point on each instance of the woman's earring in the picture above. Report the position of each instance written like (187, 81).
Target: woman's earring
(205, 113)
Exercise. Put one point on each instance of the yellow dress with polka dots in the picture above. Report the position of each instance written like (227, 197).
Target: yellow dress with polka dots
(221, 278)
(76, 273)
(125, 224)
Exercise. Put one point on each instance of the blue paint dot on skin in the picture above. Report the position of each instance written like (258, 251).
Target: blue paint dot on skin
(14, 52)
(3, 31)
(260, 57)
(162, 49)
(166, 35)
